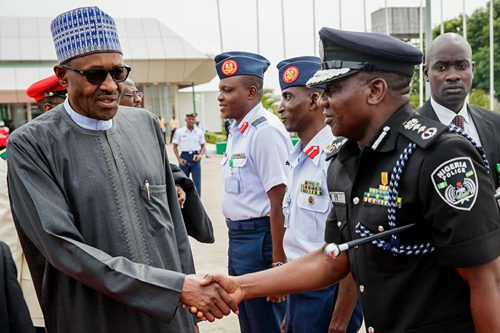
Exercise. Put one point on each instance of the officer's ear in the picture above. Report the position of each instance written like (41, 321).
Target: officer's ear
(425, 71)
(315, 98)
(61, 75)
(252, 92)
(377, 90)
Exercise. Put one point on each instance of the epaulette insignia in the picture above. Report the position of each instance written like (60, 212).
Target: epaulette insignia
(333, 148)
(259, 120)
(422, 131)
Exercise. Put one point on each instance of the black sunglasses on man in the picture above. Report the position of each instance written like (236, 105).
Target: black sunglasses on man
(98, 75)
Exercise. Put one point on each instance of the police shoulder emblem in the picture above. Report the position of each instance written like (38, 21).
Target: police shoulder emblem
(229, 67)
(290, 74)
(456, 182)
(422, 131)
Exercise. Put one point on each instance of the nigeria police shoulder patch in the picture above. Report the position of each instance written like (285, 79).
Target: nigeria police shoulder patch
(456, 182)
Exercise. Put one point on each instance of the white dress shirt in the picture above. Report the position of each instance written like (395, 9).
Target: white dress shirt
(189, 140)
(446, 116)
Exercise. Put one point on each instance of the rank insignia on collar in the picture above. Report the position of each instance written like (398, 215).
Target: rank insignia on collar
(312, 151)
(243, 127)
(311, 187)
(380, 195)
(456, 182)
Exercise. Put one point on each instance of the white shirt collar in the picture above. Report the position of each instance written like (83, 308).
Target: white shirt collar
(446, 115)
(86, 122)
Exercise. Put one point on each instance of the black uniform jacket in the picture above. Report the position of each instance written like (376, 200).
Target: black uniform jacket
(488, 126)
(198, 223)
(445, 190)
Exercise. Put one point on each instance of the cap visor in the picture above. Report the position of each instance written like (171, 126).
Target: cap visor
(326, 75)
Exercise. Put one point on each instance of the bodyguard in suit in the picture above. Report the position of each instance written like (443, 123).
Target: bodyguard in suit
(449, 70)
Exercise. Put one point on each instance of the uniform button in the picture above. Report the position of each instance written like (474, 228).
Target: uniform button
(355, 200)
(339, 224)
(371, 330)
(380, 228)
(361, 288)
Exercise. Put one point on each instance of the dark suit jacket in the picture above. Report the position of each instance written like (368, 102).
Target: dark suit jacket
(488, 127)
(14, 314)
(196, 219)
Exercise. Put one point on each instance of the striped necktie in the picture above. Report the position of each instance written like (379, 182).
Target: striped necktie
(458, 121)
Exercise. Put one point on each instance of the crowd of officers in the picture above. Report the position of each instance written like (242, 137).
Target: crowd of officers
(111, 254)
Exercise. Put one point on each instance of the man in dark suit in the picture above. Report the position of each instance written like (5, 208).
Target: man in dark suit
(449, 70)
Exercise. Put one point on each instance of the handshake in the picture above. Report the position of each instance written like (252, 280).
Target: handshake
(214, 296)
(211, 296)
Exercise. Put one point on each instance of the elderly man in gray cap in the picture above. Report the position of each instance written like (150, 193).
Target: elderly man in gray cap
(94, 205)
(396, 170)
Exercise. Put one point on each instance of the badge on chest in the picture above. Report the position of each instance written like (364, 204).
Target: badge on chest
(311, 187)
(238, 160)
(380, 195)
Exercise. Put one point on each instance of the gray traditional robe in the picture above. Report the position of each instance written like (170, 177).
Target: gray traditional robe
(100, 224)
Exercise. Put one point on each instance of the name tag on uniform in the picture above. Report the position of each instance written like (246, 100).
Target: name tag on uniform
(232, 185)
(239, 160)
(337, 197)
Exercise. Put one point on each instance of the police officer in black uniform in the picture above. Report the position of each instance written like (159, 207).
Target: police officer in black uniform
(396, 169)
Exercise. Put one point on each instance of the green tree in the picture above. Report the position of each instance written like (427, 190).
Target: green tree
(478, 35)
(479, 97)
(270, 101)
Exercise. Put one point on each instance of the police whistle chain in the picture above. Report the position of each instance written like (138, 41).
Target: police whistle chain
(333, 250)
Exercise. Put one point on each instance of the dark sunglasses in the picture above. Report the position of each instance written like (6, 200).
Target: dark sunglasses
(99, 75)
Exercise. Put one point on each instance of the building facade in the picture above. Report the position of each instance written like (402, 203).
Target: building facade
(161, 61)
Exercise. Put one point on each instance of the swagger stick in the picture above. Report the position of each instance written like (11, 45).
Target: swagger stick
(333, 250)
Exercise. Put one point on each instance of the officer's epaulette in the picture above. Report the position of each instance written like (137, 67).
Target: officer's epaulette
(421, 130)
(333, 148)
(3, 153)
(259, 120)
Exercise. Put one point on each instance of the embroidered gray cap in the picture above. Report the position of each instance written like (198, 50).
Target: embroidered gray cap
(84, 31)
